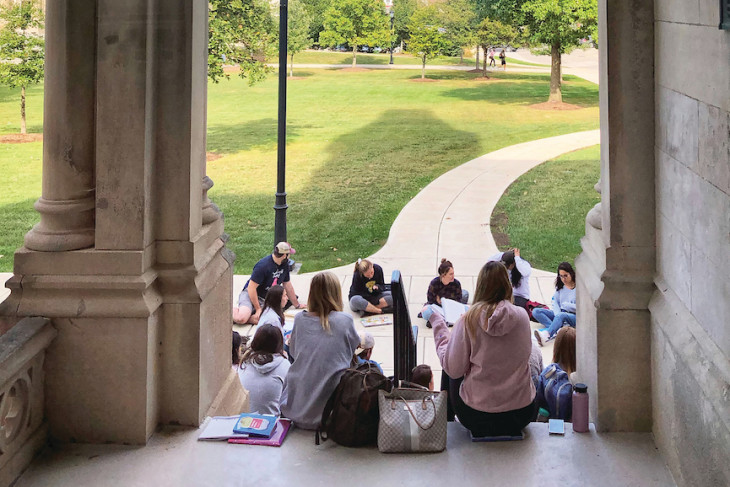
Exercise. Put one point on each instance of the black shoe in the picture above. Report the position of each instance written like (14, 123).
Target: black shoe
(428, 324)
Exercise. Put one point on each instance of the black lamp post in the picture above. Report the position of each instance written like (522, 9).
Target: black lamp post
(392, 16)
(280, 205)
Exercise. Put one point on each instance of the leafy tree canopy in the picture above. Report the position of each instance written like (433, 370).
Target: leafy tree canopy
(299, 27)
(357, 23)
(460, 21)
(242, 32)
(402, 12)
(428, 36)
(491, 33)
(21, 49)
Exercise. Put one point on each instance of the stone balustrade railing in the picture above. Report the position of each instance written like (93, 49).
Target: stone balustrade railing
(22, 428)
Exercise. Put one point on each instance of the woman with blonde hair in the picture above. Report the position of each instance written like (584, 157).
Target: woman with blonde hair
(368, 291)
(322, 344)
(489, 352)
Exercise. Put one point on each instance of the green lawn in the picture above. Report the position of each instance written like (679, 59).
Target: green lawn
(360, 145)
(543, 212)
(332, 57)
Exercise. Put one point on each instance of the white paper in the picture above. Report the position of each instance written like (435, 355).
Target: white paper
(452, 310)
(221, 428)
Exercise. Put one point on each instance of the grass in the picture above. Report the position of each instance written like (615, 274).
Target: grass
(333, 57)
(543, 212)
(359, 146)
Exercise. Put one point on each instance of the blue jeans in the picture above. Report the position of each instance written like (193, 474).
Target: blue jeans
(553, 322)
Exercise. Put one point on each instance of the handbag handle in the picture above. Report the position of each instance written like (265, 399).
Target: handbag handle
(429, 399)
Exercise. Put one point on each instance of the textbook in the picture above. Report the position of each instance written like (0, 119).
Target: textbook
(276, 439)
(261, 425)
(453, 310)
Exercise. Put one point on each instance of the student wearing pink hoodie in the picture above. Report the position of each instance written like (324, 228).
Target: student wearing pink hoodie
(489, 350)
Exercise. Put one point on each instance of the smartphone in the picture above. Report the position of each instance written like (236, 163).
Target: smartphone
(556, 427)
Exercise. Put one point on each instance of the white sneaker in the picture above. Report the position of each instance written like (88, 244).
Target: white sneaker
(542, 337)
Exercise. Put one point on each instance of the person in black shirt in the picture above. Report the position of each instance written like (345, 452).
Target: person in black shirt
(269, 271)
(368, 291)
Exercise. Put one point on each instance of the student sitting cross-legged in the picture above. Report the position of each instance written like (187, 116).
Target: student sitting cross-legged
(322, 344)
(562, 310)
(487, 358)
(367, 292)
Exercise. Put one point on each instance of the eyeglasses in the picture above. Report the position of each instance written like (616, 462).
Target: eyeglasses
(564, 276)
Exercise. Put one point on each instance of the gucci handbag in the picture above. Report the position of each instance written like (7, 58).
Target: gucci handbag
(412, 420)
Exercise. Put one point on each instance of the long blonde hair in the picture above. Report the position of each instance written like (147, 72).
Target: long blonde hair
(325, 296)
(493, 287)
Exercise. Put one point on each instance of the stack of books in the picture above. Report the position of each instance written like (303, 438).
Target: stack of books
(247, 428)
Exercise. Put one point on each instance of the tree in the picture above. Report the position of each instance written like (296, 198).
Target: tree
(316, 10)
(298, 37)
(459, 20)
(559, 24)
(493, 33)
(402, 12)
(242, 32)
(356, 23)
(21, 50)
(428, 38)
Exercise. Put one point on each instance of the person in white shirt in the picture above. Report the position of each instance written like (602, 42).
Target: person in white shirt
(519, 274)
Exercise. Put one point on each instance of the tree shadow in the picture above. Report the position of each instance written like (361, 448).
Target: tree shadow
(229, 139)
(350, 202)
(530, 90)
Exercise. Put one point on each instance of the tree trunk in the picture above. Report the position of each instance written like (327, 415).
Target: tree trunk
(423, 68)
(485, 63)
(291, 65)
(23, 129)
(354, 56)
(477, 65)
(461, 56)
(556, 95)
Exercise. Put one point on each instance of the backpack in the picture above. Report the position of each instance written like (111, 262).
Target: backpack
(555, 392)
(351, 414)
(532, 305)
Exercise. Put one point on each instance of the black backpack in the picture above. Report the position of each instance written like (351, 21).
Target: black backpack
(351, 414)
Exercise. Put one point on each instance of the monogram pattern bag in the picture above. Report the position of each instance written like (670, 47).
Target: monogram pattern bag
(412, 420)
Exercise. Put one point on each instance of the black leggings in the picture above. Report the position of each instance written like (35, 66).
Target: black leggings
(480, 423)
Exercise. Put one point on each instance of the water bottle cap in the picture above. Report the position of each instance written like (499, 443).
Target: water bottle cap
(544, 412)
(581, 388)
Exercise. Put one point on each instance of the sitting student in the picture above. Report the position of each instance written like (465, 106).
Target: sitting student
(519, 274)
(422, 375)
(263, 371)
(364, 351)
(445, 286)
(272, 312)
(535, 363)
(367, 292)
(486, 358)
(562, 310)
(554, 390)
(322, 344)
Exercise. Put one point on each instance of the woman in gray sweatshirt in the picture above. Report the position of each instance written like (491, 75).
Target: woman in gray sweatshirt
(263, 371)
(322, 344)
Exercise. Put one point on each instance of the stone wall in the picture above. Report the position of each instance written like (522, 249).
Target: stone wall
(690, 308)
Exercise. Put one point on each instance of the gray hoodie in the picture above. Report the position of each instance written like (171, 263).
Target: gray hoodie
(265, 384)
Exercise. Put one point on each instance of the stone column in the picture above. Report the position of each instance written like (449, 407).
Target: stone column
(67, 203)
(143, 318)
(616, 269)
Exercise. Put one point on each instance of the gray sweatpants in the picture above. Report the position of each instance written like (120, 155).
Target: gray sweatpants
(358, 303)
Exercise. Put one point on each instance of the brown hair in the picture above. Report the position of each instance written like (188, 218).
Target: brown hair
(564, 349)
(362, 266)
(493, 287)
(422, 375)
(445, 266)
(267, 342)
(325, 296)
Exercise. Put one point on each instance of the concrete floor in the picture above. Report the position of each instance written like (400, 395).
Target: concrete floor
(176, 458)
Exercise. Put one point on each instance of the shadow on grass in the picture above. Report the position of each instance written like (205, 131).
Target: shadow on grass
(298, 73)
(18, 218)
(526, 92)
(351, 201)
(229, 139)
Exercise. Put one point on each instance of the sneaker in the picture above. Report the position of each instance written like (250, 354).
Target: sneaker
(542, 337)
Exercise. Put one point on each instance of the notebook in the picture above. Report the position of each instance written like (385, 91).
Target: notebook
(276, 439)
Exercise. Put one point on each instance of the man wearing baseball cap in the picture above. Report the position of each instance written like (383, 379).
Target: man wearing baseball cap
(269, 271)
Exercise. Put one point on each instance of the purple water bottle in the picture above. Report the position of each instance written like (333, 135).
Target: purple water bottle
(580, 408)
